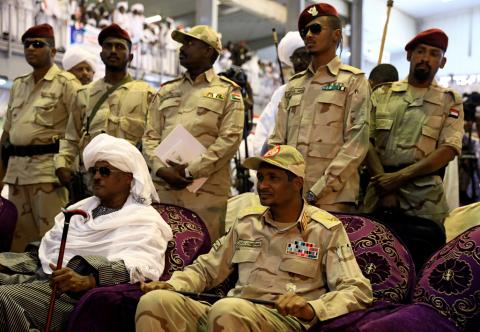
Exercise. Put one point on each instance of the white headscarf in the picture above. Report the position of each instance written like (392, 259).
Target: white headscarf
(123, 155)
(76, 54)
(287, 45)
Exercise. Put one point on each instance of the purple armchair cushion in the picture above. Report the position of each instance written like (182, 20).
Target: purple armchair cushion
(190, 237)
(389, 317)
(382, 258)
(450, 280)
(8, 222)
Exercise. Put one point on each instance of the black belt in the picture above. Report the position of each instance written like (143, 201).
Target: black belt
(32, 150)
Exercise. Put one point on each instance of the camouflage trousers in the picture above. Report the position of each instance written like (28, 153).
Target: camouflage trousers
(211, 208)
(163, 310)
(37, 206)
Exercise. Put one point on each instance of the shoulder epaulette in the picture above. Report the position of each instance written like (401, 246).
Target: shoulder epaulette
(21, 77)
(384, 86)
(325, 218)
(457, 97)
(171, 81)
(297, 75)
(69, 76)
(255, 209)
(226, 79)
(351, 69)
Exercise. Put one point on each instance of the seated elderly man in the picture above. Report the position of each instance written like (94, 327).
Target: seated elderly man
(288, 252)
(124, 239)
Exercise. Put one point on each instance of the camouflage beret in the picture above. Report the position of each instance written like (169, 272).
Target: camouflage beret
(432, 37)
(281, 156)
(113, 30)
(42, 30)
(312, 12)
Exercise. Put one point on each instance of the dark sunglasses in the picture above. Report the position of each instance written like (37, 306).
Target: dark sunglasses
(35, 44)
(314, 29)
(103, 170)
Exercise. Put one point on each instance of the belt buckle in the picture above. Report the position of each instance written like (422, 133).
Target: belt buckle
(55, 138)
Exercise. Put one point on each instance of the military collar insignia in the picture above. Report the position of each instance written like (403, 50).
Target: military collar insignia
(214, 95)
(313, 11)
(334, 86)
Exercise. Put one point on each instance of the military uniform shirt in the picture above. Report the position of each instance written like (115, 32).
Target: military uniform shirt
(122, 115)
(408, 124)
(313, 254)
(211, 109)
(37, 114)
(325, 115)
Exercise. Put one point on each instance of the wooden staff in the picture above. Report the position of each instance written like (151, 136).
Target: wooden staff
(389, 8)
(275, 41)
(68, 215)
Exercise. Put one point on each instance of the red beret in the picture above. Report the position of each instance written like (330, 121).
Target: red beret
(43, 31)
(313, 11)
(113, 30)
(432, 37)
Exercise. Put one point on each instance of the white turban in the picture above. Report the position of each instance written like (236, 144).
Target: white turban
(123, 155)
(288, 44)
(76, 54)
(138, 7)
(123, 4)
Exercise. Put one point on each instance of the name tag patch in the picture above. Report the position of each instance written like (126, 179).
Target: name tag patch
(303, 249)
(248, 244)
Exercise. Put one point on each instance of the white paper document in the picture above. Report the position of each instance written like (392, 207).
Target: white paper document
(181, 147)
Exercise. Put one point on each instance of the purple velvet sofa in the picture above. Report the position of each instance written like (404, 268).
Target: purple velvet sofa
(8, 221)
(444, 296)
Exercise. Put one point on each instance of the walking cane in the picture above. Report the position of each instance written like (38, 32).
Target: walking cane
(68, 215)
(384, 36)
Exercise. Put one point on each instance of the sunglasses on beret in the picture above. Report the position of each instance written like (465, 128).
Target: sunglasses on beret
(314, 29)
(103, 170)
(34, 43)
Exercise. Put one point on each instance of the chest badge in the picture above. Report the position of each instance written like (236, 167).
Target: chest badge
(334, 87)
(214, 95)
(303, 249)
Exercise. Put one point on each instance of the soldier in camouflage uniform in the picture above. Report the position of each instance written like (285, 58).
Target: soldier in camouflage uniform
(122, 114)
(325, 114)
(37, 114)
(210, 107)
(288, 252)
(417, 130)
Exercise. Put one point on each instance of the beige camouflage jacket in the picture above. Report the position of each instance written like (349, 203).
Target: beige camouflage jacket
(211, 109)
(407, 125)
(38, 114)
(122, 115)
(315, 260)
(325, 115)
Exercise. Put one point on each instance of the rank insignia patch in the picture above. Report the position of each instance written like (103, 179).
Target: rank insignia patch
(303, 249)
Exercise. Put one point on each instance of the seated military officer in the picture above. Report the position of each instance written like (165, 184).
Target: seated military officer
(288, 252)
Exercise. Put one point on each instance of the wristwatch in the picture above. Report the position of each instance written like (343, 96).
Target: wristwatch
(311, 198)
